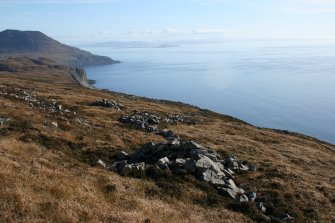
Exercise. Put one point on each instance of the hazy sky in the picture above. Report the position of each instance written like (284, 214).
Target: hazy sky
(78, 21)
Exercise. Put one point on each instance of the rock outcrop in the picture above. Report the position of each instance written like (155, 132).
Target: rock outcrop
(187, 157)
(107, 104)
(149, 122)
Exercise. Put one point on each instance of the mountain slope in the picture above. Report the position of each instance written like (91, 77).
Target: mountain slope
(37, 44)
(53, 139)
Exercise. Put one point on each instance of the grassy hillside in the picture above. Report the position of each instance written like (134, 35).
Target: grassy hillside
(50, 147)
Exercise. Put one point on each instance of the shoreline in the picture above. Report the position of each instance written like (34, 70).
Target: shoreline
(282, 131)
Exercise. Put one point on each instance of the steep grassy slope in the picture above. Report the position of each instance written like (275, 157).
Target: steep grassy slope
(50, 174)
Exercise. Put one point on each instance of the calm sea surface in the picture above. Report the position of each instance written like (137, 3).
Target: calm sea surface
(284, 85)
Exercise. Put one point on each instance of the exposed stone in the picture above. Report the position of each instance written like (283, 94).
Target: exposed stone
(283, 216)
(180, 162)
(101, 163)
(261, 207)
(163, 160)
(4, 120)
(227, 192)
(252, 196)
(31, 99)
(244, 198)
(218, 183)
(54, 124)
(107, 104)
(181, 119)
(182, 156)
(142, 120)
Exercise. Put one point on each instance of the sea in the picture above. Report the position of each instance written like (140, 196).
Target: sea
(288, 85)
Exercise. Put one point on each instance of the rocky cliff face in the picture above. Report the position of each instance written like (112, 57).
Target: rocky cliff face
(36, 44)
(80, 76)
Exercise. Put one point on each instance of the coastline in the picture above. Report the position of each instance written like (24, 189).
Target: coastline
(214, 113)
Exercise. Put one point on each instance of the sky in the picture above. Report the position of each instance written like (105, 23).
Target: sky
(90, 21)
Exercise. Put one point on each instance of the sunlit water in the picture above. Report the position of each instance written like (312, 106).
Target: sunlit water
(287, 85)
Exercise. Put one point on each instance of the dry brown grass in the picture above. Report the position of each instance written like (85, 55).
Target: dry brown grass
(49, 175)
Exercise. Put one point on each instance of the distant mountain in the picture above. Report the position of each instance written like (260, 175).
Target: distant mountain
(37, 44)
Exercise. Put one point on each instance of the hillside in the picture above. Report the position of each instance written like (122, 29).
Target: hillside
(59, 143)
(36, 44)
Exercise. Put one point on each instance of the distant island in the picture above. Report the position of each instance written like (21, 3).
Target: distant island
(136, 44)
(35, 44)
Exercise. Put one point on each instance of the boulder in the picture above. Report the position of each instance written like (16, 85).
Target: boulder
(101, 163)
(208, 175)
(227, 192)
(244, 198)
(218, 183)
(107, 104)
(180, 162)
(260, 206)
(283, 216)
(252, 196)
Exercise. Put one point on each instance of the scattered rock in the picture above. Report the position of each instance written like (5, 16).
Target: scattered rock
(4, 120)
(244, 198)
(54, 124)
(261, 207)
(149, 122)
(101, 163)
(252, 196)
(34, 101)
(182, 156)
(142, 120)
(107, 104)
(181, 119)
(283, 216)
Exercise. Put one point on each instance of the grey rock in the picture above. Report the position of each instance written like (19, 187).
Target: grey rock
(283, 216)
(163, 160)
(228, 174)
(101, 163)
(227, 192)
(107, 104)
(252, 196)
(180, 162)
(244, 198)
(4, 120)
(260, 206)
(243, 167)
(218, 183)
(203, 164)
(208, 175)
(231, 184)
